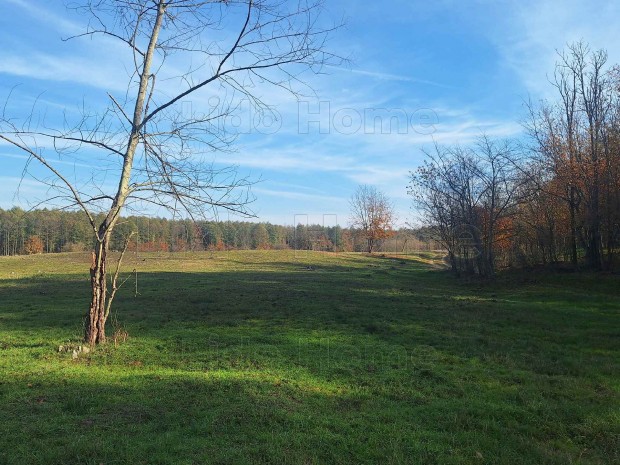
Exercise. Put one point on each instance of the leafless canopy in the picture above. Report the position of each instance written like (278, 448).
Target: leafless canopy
(464, 194)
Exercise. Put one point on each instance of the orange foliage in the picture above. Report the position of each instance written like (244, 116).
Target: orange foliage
(33, 245)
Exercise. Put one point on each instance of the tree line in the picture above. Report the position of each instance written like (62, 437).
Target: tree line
(54, 231)
(552, 199)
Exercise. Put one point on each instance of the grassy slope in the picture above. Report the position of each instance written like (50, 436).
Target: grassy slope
(261, 357)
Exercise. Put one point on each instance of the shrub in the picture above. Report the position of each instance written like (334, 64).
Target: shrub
(33, 245)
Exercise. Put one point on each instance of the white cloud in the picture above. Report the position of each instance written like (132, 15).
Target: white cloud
(41, 14)
(52, 161)
(88, 71)
(21, 192)
(383, 160)
(298, 195)
(384, 76)
(528, 33)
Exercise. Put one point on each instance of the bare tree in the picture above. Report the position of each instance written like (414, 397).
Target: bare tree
(372, 212)
(464, 194)
(147, 140)
(447, 193)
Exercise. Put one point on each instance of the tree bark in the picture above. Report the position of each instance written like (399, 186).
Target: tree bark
(94, 328)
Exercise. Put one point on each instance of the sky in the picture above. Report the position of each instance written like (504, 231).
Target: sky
(419, 73)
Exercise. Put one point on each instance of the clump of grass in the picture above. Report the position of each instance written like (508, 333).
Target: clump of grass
(119, 333)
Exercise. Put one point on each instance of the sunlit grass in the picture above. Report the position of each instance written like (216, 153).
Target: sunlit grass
(278, 357)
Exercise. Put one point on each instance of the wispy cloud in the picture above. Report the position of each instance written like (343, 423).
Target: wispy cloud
(88, 71)
(530, 32)
(293, 194)
(40, 13)
(22, 192)
(394, 77)
(53, 161)
(379, 159)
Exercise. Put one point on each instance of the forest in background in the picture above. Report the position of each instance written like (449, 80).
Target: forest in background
(53, 231)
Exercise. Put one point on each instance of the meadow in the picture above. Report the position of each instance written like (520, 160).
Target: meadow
(277, 357)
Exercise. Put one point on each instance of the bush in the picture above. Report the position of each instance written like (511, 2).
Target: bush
(33, 245)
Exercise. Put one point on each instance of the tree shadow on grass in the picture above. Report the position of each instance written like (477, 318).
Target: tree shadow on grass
(333, 364)
(401, 308)
(243, 417)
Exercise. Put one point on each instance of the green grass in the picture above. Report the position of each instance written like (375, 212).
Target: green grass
(262, 357)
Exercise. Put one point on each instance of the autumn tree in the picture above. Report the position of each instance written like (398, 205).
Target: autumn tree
(33, 245)
(576, 145)
(146, 139)
(373, 214)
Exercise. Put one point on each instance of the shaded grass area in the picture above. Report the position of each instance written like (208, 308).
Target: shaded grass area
(267, 357)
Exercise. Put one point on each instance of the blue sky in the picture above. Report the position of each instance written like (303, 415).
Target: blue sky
(450, 69)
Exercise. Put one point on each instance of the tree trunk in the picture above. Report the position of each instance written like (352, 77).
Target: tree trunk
(573, 230)
(94, 328)
(490, 255)
(596, 246)
(453, 263)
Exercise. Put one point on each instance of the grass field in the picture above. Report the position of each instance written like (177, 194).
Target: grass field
(263, 357)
